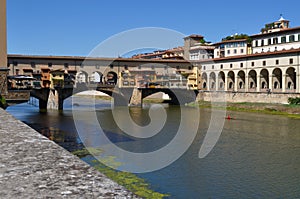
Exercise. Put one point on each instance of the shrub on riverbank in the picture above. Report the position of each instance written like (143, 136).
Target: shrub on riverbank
(294, 101)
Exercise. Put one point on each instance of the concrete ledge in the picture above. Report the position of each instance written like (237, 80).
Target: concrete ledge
(31, 166)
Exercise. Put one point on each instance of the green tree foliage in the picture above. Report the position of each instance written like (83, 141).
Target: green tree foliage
(235, 37)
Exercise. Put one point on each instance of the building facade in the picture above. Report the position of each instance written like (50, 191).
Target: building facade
(269, 64)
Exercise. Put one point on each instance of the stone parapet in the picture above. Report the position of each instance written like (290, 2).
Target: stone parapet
(32, 166)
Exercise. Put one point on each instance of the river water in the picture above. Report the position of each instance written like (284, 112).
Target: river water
(256, 156)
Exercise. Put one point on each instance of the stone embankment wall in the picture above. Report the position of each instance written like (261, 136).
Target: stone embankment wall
(31, 166)
(281, 98)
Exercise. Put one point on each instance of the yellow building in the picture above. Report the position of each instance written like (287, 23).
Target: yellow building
(56, 78)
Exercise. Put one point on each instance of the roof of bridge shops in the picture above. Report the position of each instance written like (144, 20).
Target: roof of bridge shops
(130, 62)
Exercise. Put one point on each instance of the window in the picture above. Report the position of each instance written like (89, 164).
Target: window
(49, 65)
(213, 67)
(234, 51)
(275, 40)
(66, 65)
(298, 37)
(32, 64)
(256, 43)
(241, 65)
(292, 38)
(228, 52)
(126, 67)
(264, 63)
(253, 64)
(221, 66)
(291, 61)
(230, 65)
(203, 67)
(269, 41)
(262, 42)
(242, 51)
(283, 40)
(277, 62)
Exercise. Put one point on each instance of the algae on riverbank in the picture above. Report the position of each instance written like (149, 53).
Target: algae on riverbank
(130, 181)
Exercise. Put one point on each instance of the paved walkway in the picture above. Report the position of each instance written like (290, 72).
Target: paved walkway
(31, 166)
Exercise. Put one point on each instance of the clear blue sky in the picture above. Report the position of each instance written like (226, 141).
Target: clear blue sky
(75, 27)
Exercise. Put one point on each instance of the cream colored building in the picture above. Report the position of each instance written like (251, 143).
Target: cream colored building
(230, 48)
(271, 67)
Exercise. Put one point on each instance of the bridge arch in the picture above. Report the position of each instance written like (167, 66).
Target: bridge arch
(111, 78)
(82, 77)
(96, 77)
(177, 96)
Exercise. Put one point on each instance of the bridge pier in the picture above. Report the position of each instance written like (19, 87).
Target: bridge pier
(56, 99)
(136, 97)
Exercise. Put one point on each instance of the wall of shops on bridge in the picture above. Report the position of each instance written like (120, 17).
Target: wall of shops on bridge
(273, 73)
(125, 73)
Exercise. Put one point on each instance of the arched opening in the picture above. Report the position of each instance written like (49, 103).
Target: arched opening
(221, 78)
(291, 79)
(157, 97)
(221, 86)
(96, 77)
(277, 79)
(212, 81)
(276, 85)
(241, 80)
(264, 73)
(231, 81)
(241, 85)
(82, 77)
(252, 80)
(111, 78)
(204, 80)
(264, 84)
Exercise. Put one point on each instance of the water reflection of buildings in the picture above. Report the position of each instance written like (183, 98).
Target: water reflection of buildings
(53, 134)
